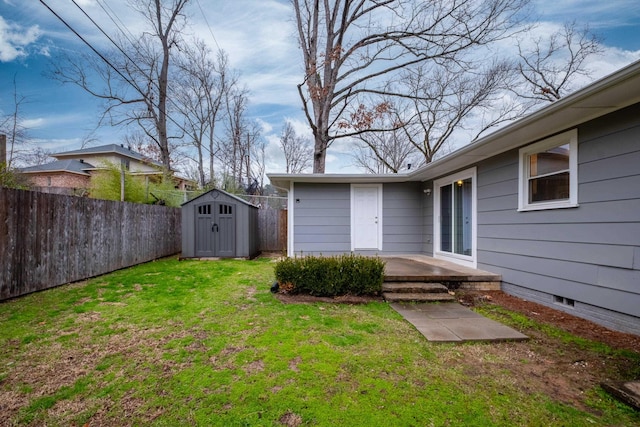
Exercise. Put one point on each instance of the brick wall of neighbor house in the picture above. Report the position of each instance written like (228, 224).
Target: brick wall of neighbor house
(63, 179)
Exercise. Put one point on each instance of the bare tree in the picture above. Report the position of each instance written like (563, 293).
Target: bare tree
(236, 127)
(200, 100)
(12, 126)
(254, 156)
(139, 142)
(239, 144)
(297, 150)
(136, 81)
(258, 166)
(444, 100)
(352, 48)
(549, 65)
(37, 156)
(386, 152)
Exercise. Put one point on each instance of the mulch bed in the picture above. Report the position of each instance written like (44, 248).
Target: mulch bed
(309, 299)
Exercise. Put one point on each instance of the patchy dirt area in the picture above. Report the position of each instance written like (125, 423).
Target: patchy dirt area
(576, 325)
(309, 299)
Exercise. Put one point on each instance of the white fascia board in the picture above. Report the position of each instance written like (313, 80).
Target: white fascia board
(283, 180)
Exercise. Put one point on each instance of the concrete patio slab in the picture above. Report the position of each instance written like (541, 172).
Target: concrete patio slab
(448, 311)
(451, 322)
(412, 268)
(435, 331)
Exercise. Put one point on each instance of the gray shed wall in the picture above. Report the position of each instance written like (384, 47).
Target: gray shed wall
(589, 254)
(188, 231)
(246, 225)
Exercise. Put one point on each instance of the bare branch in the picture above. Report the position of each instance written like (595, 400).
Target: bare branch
(549, 66)
(134, 83)
(353, 48)
(297, 150)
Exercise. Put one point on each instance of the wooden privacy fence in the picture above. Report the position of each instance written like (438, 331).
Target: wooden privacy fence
(272, 226)
(47, 240)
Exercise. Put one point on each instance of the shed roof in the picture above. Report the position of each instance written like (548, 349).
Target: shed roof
(233, 196)
(69, 165)
(611, 93)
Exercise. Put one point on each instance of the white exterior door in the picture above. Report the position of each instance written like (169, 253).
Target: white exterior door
(366, 217)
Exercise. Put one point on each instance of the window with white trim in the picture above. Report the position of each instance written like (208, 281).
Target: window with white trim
(548, 173)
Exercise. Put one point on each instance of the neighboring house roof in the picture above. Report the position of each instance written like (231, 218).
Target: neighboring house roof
(70, 166)
(109, 149)
(611, 93)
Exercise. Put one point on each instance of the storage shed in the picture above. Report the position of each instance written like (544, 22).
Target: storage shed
(219, 224)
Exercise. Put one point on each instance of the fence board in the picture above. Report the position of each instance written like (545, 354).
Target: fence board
(47, 240)
(272, 227)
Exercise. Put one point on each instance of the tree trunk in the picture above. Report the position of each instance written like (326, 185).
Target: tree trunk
(320, 153)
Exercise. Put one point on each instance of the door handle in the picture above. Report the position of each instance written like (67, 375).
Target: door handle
(214, 227)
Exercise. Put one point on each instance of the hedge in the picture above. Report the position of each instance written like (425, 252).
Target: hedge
(330, 276)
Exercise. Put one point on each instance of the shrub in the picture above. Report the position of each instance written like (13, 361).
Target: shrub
(330, 276)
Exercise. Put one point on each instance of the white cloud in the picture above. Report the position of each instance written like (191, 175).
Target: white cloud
(45, 51)
(14, 39)
(611, 60)
(265, 127)
(33, 123)
(58, 145)
(274, 157)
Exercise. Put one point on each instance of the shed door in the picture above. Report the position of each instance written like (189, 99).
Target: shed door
(215, 230)
(225, 230)
(204, 230)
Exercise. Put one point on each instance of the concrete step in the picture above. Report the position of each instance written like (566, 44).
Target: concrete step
(414, 287)
(418, 297)
(454, 285)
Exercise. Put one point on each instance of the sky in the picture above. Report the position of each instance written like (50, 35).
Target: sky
(260, 40)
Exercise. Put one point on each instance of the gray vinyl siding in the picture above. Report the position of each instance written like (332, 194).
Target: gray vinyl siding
(322, 217)
(402, 224)
(590, 254)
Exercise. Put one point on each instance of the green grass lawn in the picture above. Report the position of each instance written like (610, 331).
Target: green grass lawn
(175, 343)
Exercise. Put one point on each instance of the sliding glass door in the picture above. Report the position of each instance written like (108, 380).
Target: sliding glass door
(455, 211)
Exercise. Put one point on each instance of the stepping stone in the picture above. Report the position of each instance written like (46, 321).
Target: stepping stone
(451, 322)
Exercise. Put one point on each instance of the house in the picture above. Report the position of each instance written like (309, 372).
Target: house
(71, 172)
(550, 202)
(219, 224)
